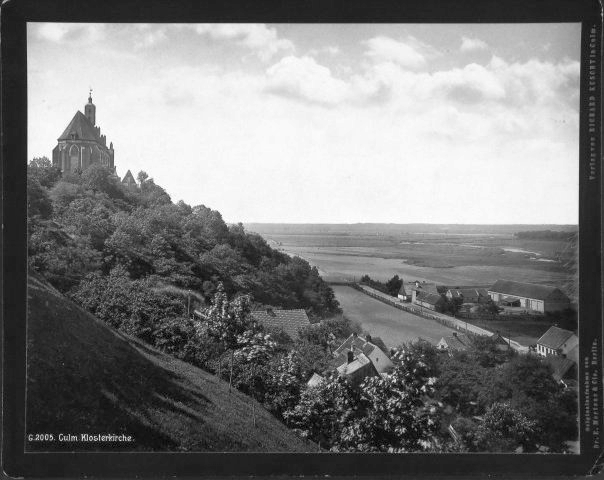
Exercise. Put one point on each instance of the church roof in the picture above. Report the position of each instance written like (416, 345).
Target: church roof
(128, 178)
(82, 127)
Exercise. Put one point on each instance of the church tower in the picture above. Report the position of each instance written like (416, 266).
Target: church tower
(90, 109)
(81, 144)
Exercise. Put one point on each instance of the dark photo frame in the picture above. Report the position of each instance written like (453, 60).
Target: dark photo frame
(19, 463)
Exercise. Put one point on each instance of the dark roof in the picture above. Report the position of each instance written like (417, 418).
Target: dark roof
(290, 321)
(461, 341)
(82, 127)
(528, 290)
(431, 298)
(356, 342)
(128, 178)
(361, 365)
(560, 366)
(554, 337)
(426, 288)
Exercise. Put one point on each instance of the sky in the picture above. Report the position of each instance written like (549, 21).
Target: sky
(326, 123)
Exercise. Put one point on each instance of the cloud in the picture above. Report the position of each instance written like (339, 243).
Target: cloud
(62, 32)
(329, 50)
(471, 84)
(303, 78)
(258, 37)
(410, 54)
(472, 44)
(149, 35)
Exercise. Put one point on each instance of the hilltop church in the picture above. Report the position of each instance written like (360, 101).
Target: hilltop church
(81, 143)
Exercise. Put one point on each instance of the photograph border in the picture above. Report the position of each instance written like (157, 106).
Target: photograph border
(16, 14)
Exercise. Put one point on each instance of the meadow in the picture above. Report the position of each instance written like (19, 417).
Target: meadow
(393, 326)
(446, 254)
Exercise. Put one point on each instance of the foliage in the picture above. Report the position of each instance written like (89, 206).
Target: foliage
(38, 200)
(41, 169)
(504, 429)
(391, 287)
(142, 230)
(384, 414)
(330, 332)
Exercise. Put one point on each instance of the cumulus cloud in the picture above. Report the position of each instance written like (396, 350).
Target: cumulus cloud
(471, 84)
(410, 54)
(258, 37)
(149, 35)
(61, 32)
(472, 44)
(303, 78)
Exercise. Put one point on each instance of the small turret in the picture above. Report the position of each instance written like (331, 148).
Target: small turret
(90, 109)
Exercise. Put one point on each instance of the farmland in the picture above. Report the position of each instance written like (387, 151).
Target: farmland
(393, 326)
(446, 254)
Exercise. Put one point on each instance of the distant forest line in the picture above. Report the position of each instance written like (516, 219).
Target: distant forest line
(396, 229)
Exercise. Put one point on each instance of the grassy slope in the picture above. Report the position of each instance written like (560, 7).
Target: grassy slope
(84, 377)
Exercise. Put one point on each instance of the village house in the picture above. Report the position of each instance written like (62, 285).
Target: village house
(365, 346)
(431, 301)
(357, 367)
(468, 294)
(288, 321)
(457, 342)
(557, 341)
(564, 370)
(536, 298)
(403, 295)
(461, 342)
(315, 380)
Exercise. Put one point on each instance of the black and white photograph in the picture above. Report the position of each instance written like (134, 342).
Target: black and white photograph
(303, 237)
(280, 243)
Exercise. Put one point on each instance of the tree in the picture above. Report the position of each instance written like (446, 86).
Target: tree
(38, 200)
(43, 171)
(227, 321)
(504, 429)
(255, 348)
(324, 410)
(393, 286)
(99, 178)
(395, 411)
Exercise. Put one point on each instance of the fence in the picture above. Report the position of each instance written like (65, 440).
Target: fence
(442, 319)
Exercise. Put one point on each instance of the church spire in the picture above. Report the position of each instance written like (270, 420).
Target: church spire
(90, 109)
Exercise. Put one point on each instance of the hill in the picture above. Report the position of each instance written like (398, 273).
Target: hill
(85, 377)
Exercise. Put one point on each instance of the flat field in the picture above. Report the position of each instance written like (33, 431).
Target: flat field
(393, 326)
(446, 254)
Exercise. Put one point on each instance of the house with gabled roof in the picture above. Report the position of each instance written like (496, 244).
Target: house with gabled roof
(402, 293)
(537, 298)
(431, 301)
(562, 368)
(457, 342)
(288, 321)
(557, 341)
(468, 295)
(363, 345)
(357, 367)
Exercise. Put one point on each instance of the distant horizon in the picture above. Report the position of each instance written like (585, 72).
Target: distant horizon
(411, 223)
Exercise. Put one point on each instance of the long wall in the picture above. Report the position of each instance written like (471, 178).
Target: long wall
(431, 315)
